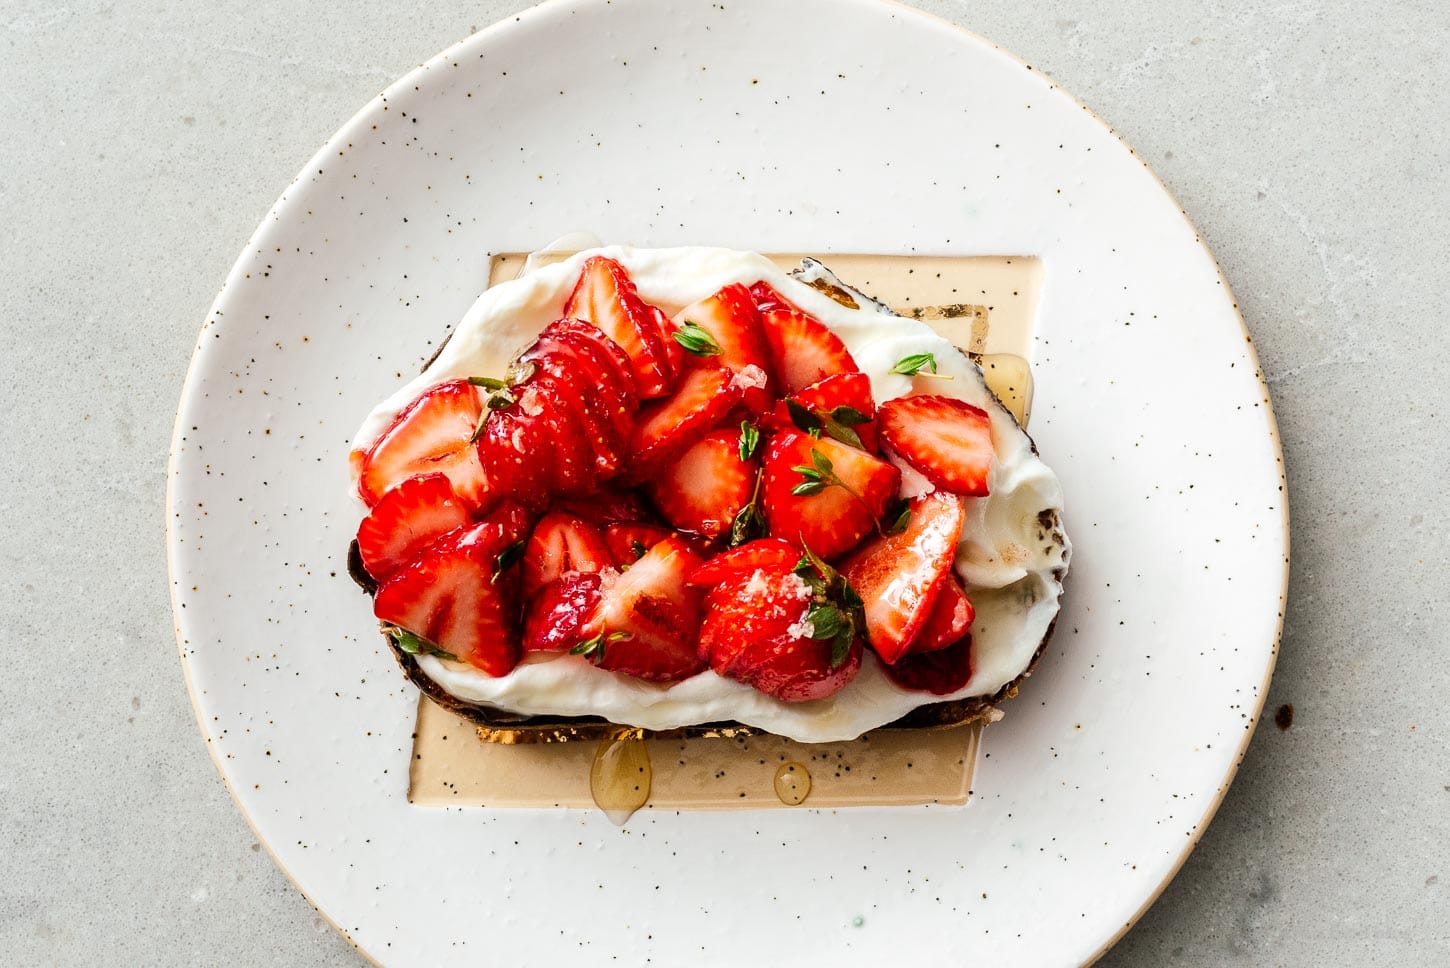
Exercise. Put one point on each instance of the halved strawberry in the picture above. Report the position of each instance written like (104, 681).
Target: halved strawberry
(629, 540)
(433, 434)
(854, 490)
(758, 629)
(559, 612)
(730, 317)
(899, 576)
(667, 428)
(408, 519)
(834, 396)
(768, 300)
(769, 554)
(606, 297)
(562, 543)
(948, 440)
(456, 596)
(949, 619)
(941, 672)
(803, 350)
(648, 618)
(704, 490)
(566, 377)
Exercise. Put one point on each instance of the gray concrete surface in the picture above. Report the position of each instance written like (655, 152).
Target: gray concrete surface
(142, 143)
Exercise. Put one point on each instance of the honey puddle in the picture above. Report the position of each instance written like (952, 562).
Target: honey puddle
(792, 784)
(619, 777)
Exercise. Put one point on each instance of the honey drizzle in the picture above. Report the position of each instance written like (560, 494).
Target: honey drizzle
(619, 778)
(792, 783)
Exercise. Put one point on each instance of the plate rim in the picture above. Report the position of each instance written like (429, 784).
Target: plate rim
(501, 27)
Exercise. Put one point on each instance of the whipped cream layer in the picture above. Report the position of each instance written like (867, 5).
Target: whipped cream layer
(1007, 558)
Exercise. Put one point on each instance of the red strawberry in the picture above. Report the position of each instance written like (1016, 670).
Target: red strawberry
(949, 619)
(629, 540)
(535, 447)
(825, 397)
(854, 490)
(768, 300)
(408, 519)
(667, 428)
(606, 297)
(707, 487)
(803, 350)
(610, 504)
(567, 378)
(757, 630)
(948, 440)
(769, 554)
(648, 618)
(455, 597)
(730, 318)
(900, 576)
(559, 612)
(941, 672)
(431, 435)
(562, 543)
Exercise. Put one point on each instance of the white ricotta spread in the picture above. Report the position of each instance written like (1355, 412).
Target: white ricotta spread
(1006, 558)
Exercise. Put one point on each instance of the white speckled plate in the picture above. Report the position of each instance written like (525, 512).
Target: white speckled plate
(815, 126)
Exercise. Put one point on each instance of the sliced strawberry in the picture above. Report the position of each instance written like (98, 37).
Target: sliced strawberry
(455, 596)
(768, 300)
(614, 395)
(408, 519)
(606, 297)
(704, 490)
(948, 440)
(826, 397)
(757, 630)
(629, 540)
(941, 672)
(562, 543)
(803, 350)
(610, 504)
(667, 428)
(431, 435)
(559, 612)
(648, 618)
(534, 447)
(732, 321)
(900, 576)
(949, 619)
(674, 352)
(768, 554)
(566, 378)
(834, 518)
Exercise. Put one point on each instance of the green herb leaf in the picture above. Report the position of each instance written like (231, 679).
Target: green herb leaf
(809, 473)
(841, 647)
(839, 431)
(487, 382)
(849, 598)
(749, 440)
(826, 621)
(803, 417)
(748, 525)
(697, 340)
(849, 416)
(899, 516)
(507, 558)
(808, 488)
(593, 648)
(827, 573)
(478, 431)
(637, 547)
(417, 645)
(912, 365)
(499, 400)
(822, 462)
